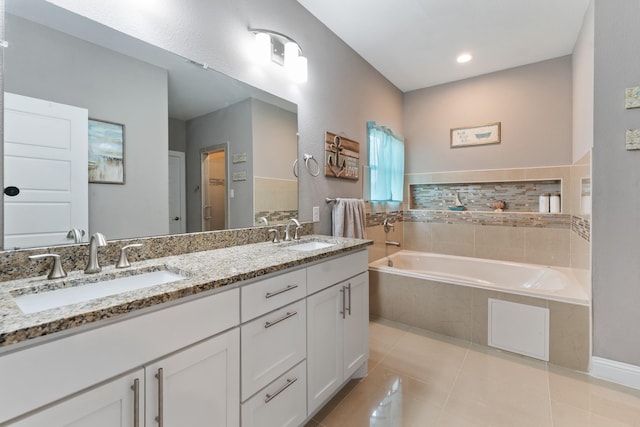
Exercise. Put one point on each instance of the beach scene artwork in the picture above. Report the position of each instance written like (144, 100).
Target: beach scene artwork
(106, 152)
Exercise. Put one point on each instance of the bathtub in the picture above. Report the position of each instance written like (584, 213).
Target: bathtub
(456, 296)
(553, 283)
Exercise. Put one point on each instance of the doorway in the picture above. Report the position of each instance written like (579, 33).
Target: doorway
(214, 188)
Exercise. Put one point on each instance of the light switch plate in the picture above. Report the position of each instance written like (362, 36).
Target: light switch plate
(316, 213)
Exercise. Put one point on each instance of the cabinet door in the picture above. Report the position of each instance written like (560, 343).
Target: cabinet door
(356, 324)
(324, 345)
(198, 386)
(110, 405)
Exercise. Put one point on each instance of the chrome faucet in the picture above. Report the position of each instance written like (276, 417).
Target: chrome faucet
(97, 240)
(287, 233)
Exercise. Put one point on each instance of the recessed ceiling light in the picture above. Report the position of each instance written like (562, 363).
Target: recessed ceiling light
(465, 57)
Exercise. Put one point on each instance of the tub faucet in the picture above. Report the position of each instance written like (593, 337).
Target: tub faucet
(287, 234)
(388, 225)
(97, 240)
(391, 243)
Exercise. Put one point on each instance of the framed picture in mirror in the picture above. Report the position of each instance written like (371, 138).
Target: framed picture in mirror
(106, 152)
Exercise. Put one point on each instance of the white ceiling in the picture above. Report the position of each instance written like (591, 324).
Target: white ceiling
(414, 43)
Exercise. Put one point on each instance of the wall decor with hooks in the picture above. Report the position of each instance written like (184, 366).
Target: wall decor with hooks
(342, 157)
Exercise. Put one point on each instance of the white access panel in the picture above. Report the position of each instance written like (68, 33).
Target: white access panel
(519, 328)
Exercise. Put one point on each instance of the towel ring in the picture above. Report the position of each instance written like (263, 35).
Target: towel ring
(308, 157)
(295, 168)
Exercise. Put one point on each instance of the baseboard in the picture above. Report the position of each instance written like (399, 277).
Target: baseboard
(617, 372)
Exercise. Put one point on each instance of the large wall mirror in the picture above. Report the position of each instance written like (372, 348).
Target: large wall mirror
(202, 151)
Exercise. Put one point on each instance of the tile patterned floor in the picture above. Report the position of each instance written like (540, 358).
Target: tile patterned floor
(421, 379)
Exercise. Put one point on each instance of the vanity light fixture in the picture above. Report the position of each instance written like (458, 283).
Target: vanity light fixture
(465, 57)
(272, 46)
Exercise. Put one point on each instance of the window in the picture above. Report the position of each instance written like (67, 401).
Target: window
(386, 163)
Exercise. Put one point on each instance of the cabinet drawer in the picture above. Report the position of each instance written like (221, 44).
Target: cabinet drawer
(269, 294)
(280, 404)
(328, 273)
(271, 345)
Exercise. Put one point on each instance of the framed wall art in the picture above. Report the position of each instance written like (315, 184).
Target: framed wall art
(475, 135)
(106, 152)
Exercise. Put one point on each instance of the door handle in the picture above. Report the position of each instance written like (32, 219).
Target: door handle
(349, 291)
(176, 218)
(344, 308)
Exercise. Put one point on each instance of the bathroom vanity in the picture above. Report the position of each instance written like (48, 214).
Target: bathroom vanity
(260, 334)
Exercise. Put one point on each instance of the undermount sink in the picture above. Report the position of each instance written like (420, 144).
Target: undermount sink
(310, 246)
(35, 301)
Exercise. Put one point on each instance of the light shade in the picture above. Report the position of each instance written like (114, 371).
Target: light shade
(262, 48)
(291, 55)
(271, 46)
(299, 71)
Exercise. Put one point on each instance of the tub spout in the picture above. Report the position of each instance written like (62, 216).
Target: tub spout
(390, 243)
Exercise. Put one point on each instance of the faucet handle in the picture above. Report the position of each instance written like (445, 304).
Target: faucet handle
(276, 235)
(123, 262)
(57, 272)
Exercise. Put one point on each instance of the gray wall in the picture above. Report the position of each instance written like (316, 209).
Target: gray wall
(177, 135)
(342, 93)
(232, 125)
(50, 65)
(532, 102)
(275, 145)
(616, 208)
(582, 69)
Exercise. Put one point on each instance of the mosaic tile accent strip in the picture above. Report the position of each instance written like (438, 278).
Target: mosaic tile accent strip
(520, 196)
(17, 265)
(582, 227)
(275, 217)
(374, 219)
(512, 219)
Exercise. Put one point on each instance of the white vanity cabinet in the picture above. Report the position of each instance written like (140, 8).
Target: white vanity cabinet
(186, 338)
(337, 326)
(109, 405)
(193, 387)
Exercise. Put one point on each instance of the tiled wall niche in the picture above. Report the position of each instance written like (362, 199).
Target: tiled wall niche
(519, 196)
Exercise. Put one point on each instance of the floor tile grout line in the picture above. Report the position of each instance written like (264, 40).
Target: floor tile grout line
(453, 384)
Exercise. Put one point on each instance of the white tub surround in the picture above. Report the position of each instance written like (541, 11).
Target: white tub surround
(554, 283)
(450, 295)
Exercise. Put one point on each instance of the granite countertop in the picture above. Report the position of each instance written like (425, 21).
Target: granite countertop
(204, 271)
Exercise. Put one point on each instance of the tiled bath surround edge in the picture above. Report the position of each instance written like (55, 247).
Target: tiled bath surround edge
(579, 225)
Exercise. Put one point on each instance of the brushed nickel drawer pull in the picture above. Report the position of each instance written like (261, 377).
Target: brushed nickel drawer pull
(285, 317)
(344, 304)
(273, 294)
(136, 402)
(290, 381)
(160, 377)
(349, 290)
